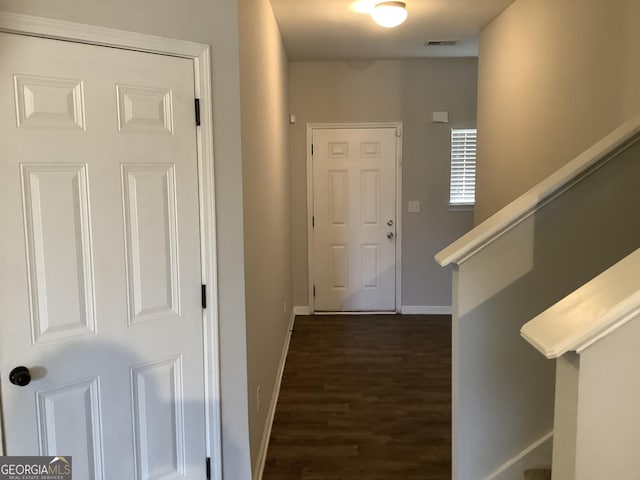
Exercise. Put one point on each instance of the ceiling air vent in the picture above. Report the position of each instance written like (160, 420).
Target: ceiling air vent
(440, 43)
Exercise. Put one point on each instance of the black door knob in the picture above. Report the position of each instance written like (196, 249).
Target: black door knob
(20, 376)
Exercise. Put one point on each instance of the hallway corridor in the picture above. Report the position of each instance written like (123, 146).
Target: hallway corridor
(364, 397)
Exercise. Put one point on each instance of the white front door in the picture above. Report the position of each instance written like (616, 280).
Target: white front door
(100, 248)
(354, 210)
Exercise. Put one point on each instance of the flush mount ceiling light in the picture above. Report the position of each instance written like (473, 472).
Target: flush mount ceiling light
(389, 14)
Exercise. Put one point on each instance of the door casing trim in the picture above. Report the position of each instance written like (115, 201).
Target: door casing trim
(310, 232)
(200, 55)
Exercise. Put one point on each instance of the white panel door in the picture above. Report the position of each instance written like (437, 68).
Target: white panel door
(354, 208)
(100, 275)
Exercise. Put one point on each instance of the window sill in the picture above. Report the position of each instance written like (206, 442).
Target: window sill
(461, 208)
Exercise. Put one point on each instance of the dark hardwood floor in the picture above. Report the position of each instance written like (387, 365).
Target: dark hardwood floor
(364, 397)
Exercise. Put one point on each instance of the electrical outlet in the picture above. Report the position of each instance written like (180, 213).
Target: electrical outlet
(259, 398)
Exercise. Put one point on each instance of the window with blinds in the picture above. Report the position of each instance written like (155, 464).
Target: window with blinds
(462, 189)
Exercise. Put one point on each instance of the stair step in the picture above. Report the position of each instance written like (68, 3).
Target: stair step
(538, 474)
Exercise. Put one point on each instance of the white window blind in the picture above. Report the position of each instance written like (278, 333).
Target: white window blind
(463, 166)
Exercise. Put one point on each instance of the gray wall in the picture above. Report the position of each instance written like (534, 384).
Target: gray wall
(607, 408)
(213, 22)
(554, 77)
(383, 91)
(266, 186)
(503, 389)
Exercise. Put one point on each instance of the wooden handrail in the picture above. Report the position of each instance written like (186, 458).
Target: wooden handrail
(531, 201)
(590, 313)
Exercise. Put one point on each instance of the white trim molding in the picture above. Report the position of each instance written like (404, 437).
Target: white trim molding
(400, 134)
(199, 54)
(527, 458)
(94, 35)
(356, 313)
(264, 444)
(302, 310)
(538, 196)
(426, 310)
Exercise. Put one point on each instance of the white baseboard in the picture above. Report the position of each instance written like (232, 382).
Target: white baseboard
(264, 445)
(405, 310)
(358, 313)
(302, 310)
(426, 310)
(536, 455)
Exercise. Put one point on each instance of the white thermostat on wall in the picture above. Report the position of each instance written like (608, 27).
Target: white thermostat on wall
(440, 117)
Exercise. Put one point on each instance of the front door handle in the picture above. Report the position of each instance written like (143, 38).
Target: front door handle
(390, 235)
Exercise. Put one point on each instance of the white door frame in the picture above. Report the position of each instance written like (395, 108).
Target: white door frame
(310, 231)
(199, 54)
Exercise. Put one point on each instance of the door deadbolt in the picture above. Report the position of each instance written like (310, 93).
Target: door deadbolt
(390, 223)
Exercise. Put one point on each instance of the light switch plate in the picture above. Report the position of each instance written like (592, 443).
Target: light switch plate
(414, 206)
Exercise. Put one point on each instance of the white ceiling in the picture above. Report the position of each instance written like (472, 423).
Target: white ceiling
(342, 29)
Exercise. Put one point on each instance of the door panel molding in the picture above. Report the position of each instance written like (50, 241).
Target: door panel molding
(370, 151)
(75, 284)
(199, 54)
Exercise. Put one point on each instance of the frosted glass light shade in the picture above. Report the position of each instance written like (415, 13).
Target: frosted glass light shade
(389, 14)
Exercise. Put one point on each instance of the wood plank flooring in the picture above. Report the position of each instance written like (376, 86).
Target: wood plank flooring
(364, 397)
